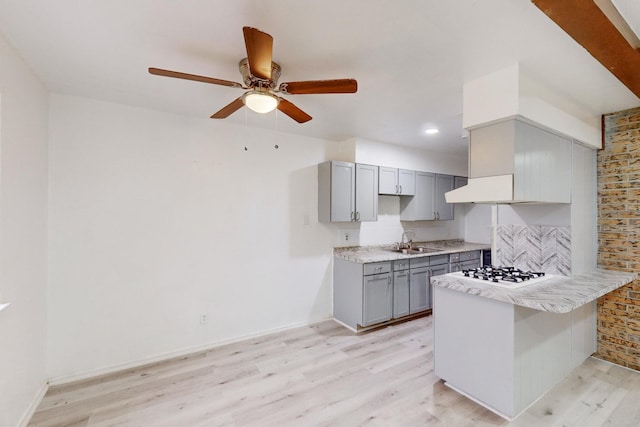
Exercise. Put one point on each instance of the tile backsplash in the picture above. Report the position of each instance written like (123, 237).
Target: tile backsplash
(534, 247)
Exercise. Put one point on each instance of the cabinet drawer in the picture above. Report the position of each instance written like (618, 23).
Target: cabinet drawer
(377, 268)
(439, 259)
(470, 264)
(466, 256)
(422, 261)
(401, 265)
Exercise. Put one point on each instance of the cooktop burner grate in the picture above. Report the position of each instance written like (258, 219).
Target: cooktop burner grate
(501, 274)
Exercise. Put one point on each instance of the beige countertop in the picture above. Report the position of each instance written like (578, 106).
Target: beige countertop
(365, 254)
(560, 294)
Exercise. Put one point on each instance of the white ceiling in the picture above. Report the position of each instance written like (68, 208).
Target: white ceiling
(410, 58)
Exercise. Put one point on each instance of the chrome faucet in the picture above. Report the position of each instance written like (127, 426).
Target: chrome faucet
(407, 239)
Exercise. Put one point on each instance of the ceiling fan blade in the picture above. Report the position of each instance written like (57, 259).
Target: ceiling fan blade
(292, 111)
(259, 51)
(320, 86)
(229, 109)
(185, 76)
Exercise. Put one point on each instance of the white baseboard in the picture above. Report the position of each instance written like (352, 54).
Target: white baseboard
(34, 405)
(64, 379)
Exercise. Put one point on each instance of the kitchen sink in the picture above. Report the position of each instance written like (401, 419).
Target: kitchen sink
(416, 250)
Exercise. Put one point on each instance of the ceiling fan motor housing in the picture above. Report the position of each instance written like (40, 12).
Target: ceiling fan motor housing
(252, 81)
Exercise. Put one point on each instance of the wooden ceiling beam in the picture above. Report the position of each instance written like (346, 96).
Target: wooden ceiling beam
(589, 26)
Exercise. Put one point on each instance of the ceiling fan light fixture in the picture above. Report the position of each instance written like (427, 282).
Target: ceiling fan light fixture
(260, 102)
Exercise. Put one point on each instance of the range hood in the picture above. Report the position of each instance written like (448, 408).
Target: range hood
(516, 161)
(489, 189)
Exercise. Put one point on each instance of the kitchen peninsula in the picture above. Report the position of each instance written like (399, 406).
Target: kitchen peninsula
(504, 348)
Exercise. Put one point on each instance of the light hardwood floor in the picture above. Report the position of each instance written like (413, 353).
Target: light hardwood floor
(324, 375)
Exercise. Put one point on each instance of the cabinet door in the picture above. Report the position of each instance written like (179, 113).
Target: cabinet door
(343, 187)
(366, 193)
(418, 290)
(444, 210)
(400, 293)
(388, 180)
(407, 182)
(419, 207)
(437, 270)
(473, 263)
(377, 299)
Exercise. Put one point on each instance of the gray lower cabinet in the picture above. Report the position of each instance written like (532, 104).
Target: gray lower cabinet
(362, 293)
(377, 304)
(464, 261)
(400, 289)
(372, 293)
(421, 271)
(419, 290)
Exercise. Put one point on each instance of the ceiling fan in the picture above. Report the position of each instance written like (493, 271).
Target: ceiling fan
(260, 75)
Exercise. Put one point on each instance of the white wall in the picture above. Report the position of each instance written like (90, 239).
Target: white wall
(156, 219)
(23, 236)
(477, 223)
(535, 214)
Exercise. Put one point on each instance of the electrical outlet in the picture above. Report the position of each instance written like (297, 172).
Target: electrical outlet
(204, 319)
(345, 236)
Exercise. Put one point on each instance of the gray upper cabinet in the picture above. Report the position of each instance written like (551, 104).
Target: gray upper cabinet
(347, 192)
(394, 181)
(420, 207)
(444, 210)
(407, 182)
(428, 203)
(336, 193)
(388, 180)
(459, 181)
(366, 208)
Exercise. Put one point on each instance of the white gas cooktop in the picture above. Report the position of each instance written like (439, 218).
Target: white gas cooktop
(502, 284)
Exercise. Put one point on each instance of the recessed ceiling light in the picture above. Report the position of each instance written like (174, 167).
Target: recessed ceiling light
(431, 131)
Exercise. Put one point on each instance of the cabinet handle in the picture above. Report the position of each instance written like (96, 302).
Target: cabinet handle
(437, 215)
(357, 216)
(396, 188)
(353, 216)
(434, 215)
(389, 280)
(400, 189)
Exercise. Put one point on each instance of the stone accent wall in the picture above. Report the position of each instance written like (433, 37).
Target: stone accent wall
(619, 236)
